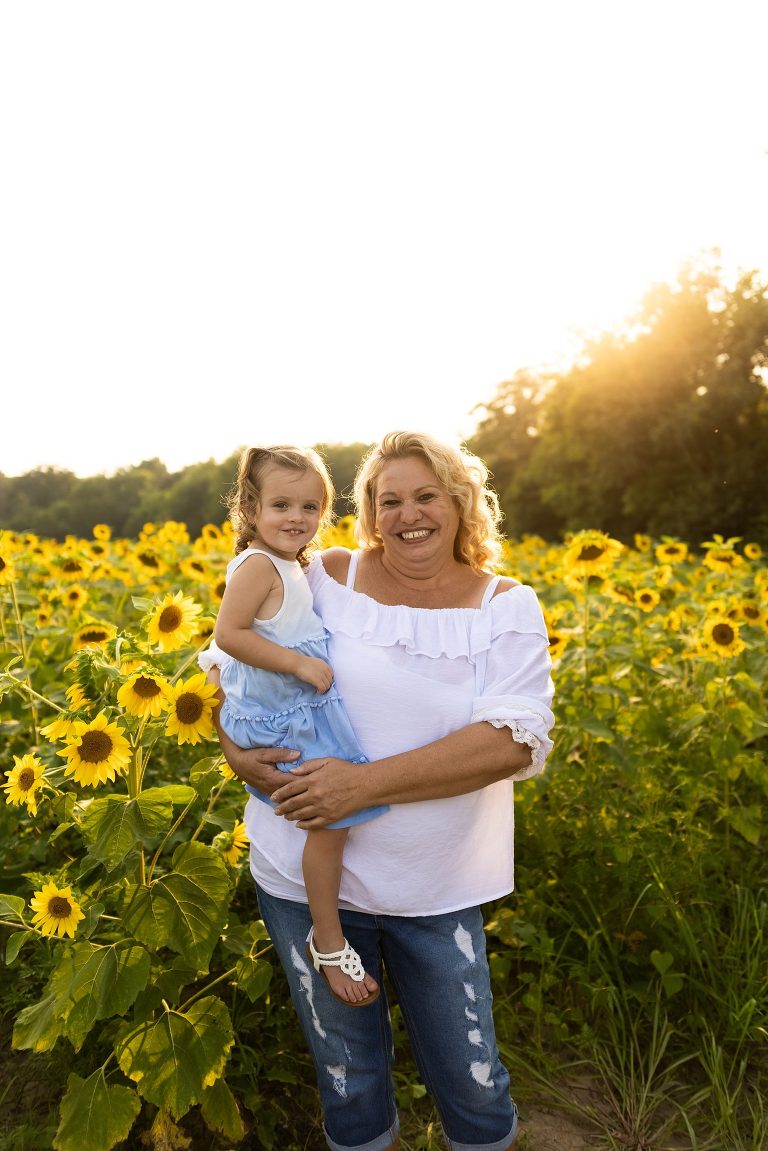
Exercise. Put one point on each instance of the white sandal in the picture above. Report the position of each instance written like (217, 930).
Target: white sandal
(349, 962)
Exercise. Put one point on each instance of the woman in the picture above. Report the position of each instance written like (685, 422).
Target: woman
(445, 672)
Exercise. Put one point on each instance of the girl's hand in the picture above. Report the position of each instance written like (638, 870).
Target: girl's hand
(320, 792)
(315, 672)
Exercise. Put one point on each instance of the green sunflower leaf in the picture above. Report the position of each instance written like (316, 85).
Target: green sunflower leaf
(174, 1058)
(98, 983)
(15, 942)
(11, 905)
(185, 909)
(220, 1111)
(176, 793)
(38, 1026)
(114, 825)
(95, 1116)
(253, 976)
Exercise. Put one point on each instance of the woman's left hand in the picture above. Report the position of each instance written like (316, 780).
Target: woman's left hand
(320, 792)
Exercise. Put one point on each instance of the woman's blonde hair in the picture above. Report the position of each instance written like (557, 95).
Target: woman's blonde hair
(244, 498)
(464, 477)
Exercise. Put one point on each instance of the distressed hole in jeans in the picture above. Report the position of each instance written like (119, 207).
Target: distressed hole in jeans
(338, 1079)
(463, 941)
(305, 983)
(481, 1073)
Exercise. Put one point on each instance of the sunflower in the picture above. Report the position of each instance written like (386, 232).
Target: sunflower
(753, 551)
(591, 553)
(145, 694)
(56, 911)
(102, 532)
(7, 570)
(721, 637)
(191, 713)
(73, 567)
(647, 598)
(234, 843)
(96, 752)
(174, 621)
(24, 780)
(671, 552)
(226, 772)
(642, 542)
(720, 555)
(60, 728)
(194, 569)
(93, 634)
(557, 643)
(75, 596)
(149, 562)
(78, 700)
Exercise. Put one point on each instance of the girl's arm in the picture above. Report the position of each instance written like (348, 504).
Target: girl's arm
(249, 589)
(321, 791)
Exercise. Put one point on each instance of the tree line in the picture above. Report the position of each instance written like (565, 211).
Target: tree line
(659, 428)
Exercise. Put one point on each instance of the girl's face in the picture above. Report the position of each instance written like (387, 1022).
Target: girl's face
(289, 510)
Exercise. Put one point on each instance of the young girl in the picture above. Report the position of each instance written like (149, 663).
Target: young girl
(278, 683)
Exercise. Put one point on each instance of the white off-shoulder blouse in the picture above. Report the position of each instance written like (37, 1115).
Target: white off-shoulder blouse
(409, 676)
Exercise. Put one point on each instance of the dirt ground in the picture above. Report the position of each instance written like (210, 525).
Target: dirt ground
(544, 1130)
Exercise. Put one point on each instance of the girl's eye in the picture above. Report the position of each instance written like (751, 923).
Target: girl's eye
(310, 507)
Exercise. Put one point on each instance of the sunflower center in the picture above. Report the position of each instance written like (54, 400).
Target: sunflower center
(95, 747)
(148, 560)
(189, 707)
(2, 564)
(25, 779)
(723, 634)
(145, 687)
(170, 618)
(591, 552)
(751, 612)
(59, 907)
(93, 636)
(72, 566)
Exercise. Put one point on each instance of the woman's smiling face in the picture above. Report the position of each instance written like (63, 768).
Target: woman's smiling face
(414, 512)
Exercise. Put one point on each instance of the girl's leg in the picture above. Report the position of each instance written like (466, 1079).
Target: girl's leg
(321, 863)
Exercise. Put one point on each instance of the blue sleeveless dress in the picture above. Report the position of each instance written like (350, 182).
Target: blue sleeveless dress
(273, 709)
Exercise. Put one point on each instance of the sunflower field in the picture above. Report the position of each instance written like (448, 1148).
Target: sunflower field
(139, 1003)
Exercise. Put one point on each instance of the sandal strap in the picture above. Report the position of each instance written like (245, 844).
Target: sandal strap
(347, 959)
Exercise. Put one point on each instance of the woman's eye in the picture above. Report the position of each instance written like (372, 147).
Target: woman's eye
(425, 497)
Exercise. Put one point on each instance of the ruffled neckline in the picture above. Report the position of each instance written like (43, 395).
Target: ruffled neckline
(452, 632)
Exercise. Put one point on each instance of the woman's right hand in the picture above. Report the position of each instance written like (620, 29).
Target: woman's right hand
(256, 765)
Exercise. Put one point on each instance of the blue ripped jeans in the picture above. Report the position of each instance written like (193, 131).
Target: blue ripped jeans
(438, 969)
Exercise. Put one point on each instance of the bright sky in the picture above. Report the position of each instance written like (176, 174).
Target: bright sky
(244, 222)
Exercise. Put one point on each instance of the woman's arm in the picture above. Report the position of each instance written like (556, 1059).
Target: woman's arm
(321, 791)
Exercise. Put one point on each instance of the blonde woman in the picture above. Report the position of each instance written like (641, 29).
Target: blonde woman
(445, 673)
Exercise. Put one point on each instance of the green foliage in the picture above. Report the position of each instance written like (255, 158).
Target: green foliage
(661, 428)
(630, 966)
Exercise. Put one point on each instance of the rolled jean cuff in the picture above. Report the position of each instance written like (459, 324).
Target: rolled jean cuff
(380, 1143)
(502, 1145)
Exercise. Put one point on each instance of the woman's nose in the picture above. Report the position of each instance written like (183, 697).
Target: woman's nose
(410, 512)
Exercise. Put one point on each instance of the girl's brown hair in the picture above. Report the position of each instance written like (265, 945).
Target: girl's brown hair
(244, 498)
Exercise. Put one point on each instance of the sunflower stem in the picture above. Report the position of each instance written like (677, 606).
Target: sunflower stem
(24, 653)
(212, 799)
(24, 686)
(166, 837)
